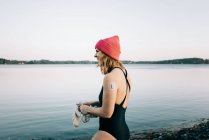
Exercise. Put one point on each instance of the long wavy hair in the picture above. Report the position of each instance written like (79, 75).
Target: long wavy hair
(107, 63)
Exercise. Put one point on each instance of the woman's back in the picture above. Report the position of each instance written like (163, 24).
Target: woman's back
(123, 87)
(116, 124)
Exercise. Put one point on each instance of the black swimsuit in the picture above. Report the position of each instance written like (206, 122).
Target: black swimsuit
(116, 125)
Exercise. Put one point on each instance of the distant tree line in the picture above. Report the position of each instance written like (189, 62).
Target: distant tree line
(177, 61)
(174, 61)
(5, 61)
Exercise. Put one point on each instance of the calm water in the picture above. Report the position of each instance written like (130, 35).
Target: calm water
(37, 101)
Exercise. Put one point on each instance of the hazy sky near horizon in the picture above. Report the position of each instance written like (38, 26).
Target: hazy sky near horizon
(69, 29)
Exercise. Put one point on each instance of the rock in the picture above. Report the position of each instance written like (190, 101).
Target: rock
(199, 131)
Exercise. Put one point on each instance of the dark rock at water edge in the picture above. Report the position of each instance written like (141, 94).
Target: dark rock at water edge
(199, 131)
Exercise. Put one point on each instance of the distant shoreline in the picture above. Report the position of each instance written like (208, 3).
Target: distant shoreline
(172, 61)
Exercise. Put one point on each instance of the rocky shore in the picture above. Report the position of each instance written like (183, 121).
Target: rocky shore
(198, 131)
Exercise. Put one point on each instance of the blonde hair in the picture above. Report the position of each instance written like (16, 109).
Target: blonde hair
(107, 63)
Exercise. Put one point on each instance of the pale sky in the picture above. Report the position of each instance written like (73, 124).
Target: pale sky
(69, 29)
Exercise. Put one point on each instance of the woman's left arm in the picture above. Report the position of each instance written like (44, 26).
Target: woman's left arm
(108, 100)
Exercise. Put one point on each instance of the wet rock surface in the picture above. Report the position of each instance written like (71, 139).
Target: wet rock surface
(199, 131)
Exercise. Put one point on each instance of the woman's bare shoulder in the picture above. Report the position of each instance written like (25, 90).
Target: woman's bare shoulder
(109, 77)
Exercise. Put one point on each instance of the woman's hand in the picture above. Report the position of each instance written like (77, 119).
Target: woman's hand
(84, 109)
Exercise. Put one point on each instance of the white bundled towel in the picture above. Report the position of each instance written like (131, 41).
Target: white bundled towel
(78, 116)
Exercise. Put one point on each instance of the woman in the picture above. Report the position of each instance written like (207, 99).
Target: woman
(114, 95)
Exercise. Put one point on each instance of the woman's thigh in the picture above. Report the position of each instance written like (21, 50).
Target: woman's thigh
(102, 135)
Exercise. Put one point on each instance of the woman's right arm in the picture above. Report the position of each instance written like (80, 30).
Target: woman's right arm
(93, 103)
(109, 97)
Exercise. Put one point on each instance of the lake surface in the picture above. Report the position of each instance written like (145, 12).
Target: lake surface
(37, 101)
